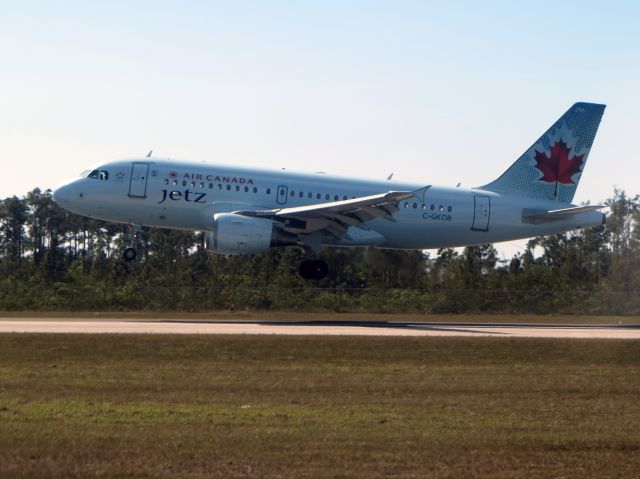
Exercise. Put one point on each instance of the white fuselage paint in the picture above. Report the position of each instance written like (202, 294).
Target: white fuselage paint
(186, 195)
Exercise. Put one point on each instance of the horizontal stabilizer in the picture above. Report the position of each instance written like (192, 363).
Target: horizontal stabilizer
(541, 216)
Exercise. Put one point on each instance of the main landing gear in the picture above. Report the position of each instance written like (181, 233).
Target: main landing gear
(313, 269)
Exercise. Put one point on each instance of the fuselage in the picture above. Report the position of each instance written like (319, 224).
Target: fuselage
(186, 195)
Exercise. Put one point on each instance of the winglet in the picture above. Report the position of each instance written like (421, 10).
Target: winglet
(420, 192)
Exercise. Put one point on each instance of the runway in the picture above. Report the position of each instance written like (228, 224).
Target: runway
(316, 328)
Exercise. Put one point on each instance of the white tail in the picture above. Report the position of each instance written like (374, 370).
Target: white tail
(552, 166)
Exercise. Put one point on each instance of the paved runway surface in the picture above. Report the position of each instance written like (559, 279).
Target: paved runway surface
(327, 328)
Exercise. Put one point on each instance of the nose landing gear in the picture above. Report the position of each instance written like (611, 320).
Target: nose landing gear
(130, 253)
(313, 269)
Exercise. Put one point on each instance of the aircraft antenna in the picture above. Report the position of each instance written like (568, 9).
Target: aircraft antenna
(149, 154)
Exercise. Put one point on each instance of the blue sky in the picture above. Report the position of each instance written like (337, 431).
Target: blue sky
(439, 92)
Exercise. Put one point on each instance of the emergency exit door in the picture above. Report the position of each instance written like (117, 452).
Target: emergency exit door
(481, 213)
(138, 181)
(282, 194)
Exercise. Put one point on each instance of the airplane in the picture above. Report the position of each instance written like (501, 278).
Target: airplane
(248, 210)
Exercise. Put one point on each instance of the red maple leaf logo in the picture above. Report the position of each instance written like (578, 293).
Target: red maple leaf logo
(173, 174)
(558, 167)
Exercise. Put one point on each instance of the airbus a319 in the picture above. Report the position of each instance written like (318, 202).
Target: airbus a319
(248, 210)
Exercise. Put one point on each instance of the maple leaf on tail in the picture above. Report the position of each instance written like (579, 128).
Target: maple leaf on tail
(558, 167)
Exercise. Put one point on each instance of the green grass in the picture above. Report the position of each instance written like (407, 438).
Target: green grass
(256, 406)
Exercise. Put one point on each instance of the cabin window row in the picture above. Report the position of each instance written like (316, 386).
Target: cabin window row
(310, 195)
(424, 206)
(299, 194)
(254, 189)
(211, 186)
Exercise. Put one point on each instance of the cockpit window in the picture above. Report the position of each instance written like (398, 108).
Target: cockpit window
(97, 175)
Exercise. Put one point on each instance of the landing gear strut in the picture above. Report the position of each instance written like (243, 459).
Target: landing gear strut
(313, 269)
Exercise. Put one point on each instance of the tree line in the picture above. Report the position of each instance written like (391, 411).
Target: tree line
(51, 259)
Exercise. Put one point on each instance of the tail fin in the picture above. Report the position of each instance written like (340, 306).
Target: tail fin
(552, 166)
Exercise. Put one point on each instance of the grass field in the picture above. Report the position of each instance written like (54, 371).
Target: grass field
(291, 407)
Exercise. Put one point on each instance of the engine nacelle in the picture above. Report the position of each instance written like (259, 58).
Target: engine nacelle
(238, 234)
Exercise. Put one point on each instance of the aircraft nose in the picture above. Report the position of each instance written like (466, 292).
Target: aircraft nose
(64, 195)
(61, 195)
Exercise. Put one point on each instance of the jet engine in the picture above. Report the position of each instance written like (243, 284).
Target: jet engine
(238, 234)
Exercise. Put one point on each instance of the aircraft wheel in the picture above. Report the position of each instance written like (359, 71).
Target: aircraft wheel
(129, 254)
(313, 269)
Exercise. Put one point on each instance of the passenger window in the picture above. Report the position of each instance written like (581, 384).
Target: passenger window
(406, 204)
(255, 190)
(424, 207)
(441, 208)
(201, 184)
(293, 193)
(237, 187)
(219, 186)
(344, 197)
(184, 182)
(301, 194)
(319, 196)
(336, 197)
(449, 209)
(228, 187)
(310, 195)
(432, 207)
(268, 191)
(210, 186)
(246, 189)
(327, 196)
(415, 205)
(193, 184)
(166, 181)
(175, 183)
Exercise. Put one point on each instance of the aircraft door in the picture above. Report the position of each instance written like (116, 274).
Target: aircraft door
(282, 194)
(481, 213)
(138, 181)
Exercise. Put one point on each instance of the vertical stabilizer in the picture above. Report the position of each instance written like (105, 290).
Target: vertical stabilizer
(552, 166)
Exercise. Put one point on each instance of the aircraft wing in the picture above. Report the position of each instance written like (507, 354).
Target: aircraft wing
(337, 216)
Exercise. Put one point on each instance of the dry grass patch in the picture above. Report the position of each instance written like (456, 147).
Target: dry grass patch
(329, 316)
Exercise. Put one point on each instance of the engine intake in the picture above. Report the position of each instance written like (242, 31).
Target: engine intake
(238, 234)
